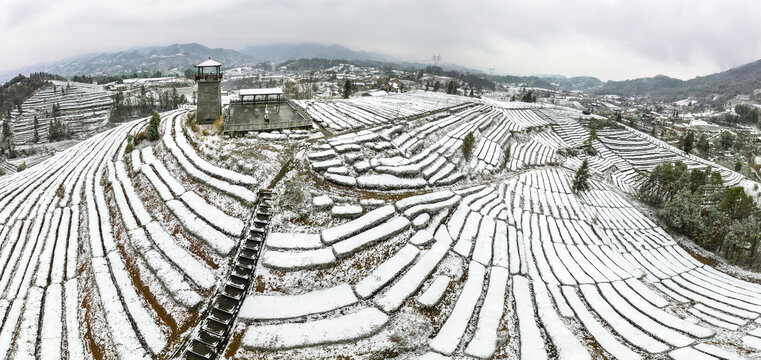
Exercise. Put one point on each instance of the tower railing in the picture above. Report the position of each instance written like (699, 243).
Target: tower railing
(209, 77)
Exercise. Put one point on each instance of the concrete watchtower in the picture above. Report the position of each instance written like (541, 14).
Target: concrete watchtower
(209, 101)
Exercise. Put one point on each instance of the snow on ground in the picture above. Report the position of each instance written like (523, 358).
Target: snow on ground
(386, 241)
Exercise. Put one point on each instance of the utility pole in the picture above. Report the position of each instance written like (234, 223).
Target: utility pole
(435, 59)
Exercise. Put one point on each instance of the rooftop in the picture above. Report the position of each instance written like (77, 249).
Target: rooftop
(265, 91)
(209, 63)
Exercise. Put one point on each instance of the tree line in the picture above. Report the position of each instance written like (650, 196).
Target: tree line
(476, 81)
(694, 203)
(14, 92)
(746, 115)
(145, 103)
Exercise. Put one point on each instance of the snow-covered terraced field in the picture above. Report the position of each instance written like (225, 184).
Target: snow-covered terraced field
(522, 268)
(112, 255)
(83, 109)
(426, 152)
(108, 254)
(635, 153)
(358, 113)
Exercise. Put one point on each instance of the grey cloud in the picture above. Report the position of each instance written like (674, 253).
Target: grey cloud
(606, 38)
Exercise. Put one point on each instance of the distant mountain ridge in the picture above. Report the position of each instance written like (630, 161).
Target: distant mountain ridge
(184, 56)
(154, 58)
(283, 52)
(552, 81)
(743, 79)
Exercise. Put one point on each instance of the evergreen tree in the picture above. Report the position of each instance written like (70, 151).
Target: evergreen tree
(581, 180)
(738, 166)
(688, 141)
(588, 148)
(7, 133)
(36, 136)
(529, 97)
(683, 211)
(175, 98)
(57, 130)
(703, 145)
(436, 86)
(347, 89)
(152, 132)
(6, 146)
(592, 135)
(467, 145)
(736, 203)
(726, 139)
(471, 92)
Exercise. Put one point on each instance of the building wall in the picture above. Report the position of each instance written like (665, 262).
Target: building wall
(209, 101)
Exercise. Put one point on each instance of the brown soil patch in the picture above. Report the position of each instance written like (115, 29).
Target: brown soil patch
(234, 345)
(702, 259)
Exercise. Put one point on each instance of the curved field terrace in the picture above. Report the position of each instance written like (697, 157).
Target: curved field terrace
(375, 237)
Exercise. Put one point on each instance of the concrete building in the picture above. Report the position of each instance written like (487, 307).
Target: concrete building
(209, 101)
(263, 110)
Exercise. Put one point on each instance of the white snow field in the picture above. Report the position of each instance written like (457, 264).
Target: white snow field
(410, 250)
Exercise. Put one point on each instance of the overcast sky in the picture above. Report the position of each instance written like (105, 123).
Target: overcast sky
(605, 38)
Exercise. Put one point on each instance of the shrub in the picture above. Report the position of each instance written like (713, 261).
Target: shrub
(219, 125)
(191, 123)
(295, 198)
(595, 123)
(21, 167)
(139, 137)
(130, 146)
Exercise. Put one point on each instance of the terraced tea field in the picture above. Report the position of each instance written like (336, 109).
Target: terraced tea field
(410, 249)
(83, 110)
